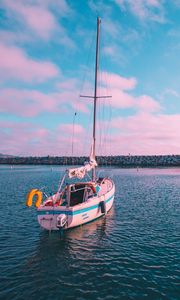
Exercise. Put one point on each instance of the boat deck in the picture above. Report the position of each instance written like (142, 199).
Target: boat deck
(106, 185)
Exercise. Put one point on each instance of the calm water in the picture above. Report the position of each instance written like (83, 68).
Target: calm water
(132, 253)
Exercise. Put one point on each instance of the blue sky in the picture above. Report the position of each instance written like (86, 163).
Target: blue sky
(47, 53)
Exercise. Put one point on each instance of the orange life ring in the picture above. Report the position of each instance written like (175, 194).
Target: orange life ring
(30, 196)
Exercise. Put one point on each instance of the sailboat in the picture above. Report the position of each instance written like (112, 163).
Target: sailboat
(77, 202)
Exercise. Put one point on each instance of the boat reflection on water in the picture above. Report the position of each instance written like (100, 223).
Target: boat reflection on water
(93, 229)
(62, 264)
(62, 247)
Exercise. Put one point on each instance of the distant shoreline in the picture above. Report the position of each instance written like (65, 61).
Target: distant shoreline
(119, 161)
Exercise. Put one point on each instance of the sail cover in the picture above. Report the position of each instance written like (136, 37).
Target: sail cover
(81, 171)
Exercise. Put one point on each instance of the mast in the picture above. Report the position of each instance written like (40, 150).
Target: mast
(95, 95)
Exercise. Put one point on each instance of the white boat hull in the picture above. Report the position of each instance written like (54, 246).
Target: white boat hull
(79, 214)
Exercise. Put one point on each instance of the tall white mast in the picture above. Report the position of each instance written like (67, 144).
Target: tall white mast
(95, 95)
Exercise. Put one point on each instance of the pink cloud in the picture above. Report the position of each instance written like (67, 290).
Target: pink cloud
(31, 15)
(146, 103)
(145, 10)
(11, 37)
(155, 3)
(71, 98)
(29, 139)
(140, 145)
(68, 129)
(72, 143)
(69, 91)
(36, 16)
(144, 134)
(30, 103)
(69, 84)
(122, 99)
(61, 6)
(111, 28)
(26, 103)
(115, 54)
(14, 63)
(20, 138)
(116, 81)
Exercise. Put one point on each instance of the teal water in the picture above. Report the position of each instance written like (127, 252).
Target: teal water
(132, 253)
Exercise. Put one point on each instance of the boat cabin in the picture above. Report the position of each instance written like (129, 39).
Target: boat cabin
(79, 192)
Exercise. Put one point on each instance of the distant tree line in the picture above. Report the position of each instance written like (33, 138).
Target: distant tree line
(119, 161)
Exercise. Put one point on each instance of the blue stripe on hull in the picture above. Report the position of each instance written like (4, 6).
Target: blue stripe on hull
(68, 212)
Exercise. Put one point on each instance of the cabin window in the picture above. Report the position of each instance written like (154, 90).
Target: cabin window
(77, 195)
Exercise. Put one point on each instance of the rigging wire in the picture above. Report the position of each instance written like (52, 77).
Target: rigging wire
(84, 76)
(72, 152)
(89, 73)
(105, 113)
(82, 80)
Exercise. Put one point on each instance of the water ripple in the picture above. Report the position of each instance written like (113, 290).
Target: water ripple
(132, 253)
